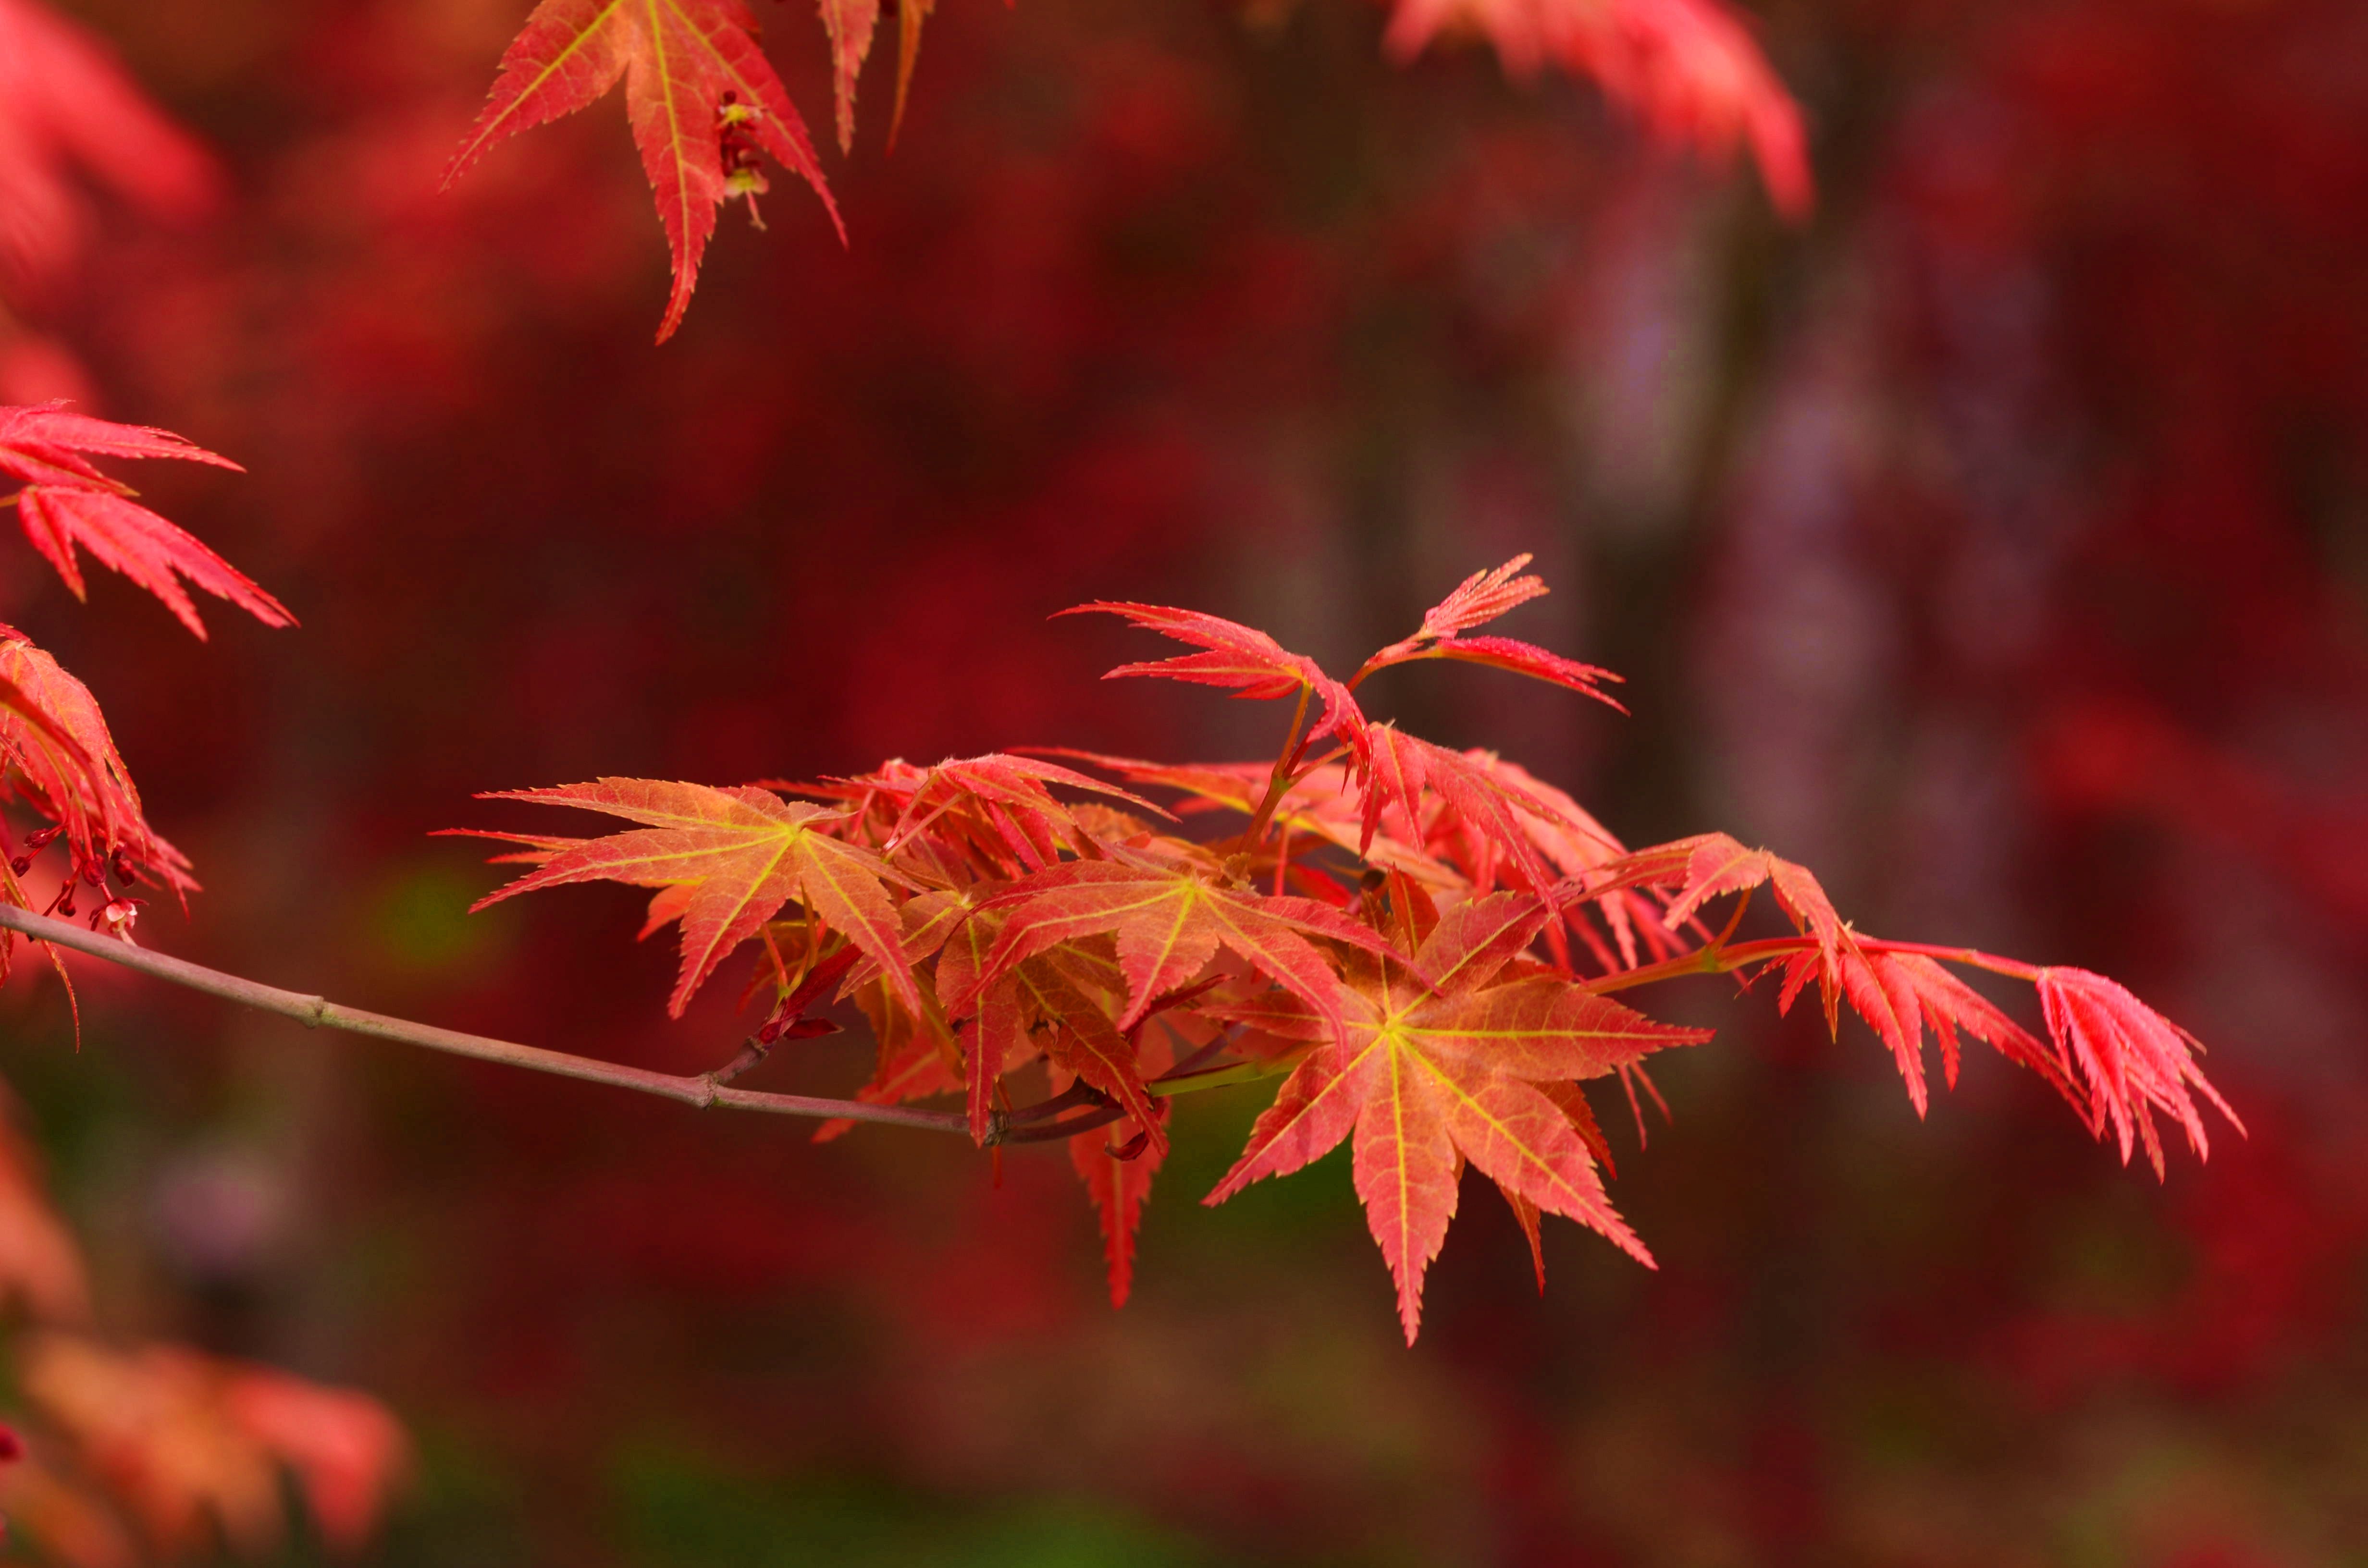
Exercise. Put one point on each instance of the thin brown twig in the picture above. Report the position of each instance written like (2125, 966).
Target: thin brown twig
(703, 1090)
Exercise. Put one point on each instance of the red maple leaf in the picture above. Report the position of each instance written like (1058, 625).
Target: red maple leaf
(1689, 68)
(740, 854)
(1480, 598)
(1712, 864)
(1250, 663)
(66, 102)
(64, 762)
(1429, 1076)
(1007, 797)
(66, 502)
(2114, 1057)
(697, 90)
(1491, 805)
(917, 1056)
(1167, 922)
(2134, 1061)
(850, 24)
(1117, 1166)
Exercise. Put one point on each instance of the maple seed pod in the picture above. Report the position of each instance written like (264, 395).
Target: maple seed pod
(65, 905)
(94, 872)
(21, 864)
(119, 861)
(39, 839)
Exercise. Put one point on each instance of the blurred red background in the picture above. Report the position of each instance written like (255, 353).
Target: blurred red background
(1996, 542)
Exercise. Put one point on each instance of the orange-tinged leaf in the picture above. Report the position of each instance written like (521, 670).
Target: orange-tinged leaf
(348, 1454)
(1711, 864)
(74, 1529)
(41, 1266)
(697, 88)
(996, 1035)
(1527, 1215)
(1081, 1041)
(743, 853)
(66, 503)
(190, 1441)
(850, 24)
(1405, 1171)
(910, 14)
(1470, 1069)
(1525, 1142)
(1168, 924)
(1321, 802)
(1490, 804)
(1250, 663)
(998, 799)
(1688, 69)
(65, 764)
(1466, 946)
(1316, 1106)
(1480, 598)
(917, 1057)
(1572, 1101)
(1118, 1182)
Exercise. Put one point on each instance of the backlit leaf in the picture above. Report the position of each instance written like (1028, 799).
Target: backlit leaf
(697, 89)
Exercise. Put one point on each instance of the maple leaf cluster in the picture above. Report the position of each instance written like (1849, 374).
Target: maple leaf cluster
(56, 755)
(704, 101)
(132, 1454)
(1422, 943)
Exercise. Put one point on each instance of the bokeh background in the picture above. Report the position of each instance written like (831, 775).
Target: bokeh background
(1996, 541)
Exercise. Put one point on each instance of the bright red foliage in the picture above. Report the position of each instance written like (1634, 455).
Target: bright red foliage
(726, 862)
(697, 90)
(1688, 68)
(2057, 217)
(702, 97)
(66, 502)
(63, 762)
(1408, 1001)
(66, 103)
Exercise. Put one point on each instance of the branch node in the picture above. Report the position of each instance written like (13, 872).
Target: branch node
(755, 1049)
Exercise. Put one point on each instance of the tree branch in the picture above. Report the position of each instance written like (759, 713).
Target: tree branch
(702, 1090)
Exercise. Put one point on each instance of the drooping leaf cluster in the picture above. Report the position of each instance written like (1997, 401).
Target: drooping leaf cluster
(1422, 942)
(56, 755)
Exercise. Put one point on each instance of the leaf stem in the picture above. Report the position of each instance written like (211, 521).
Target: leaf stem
(1717, 957)
(1280, 779)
